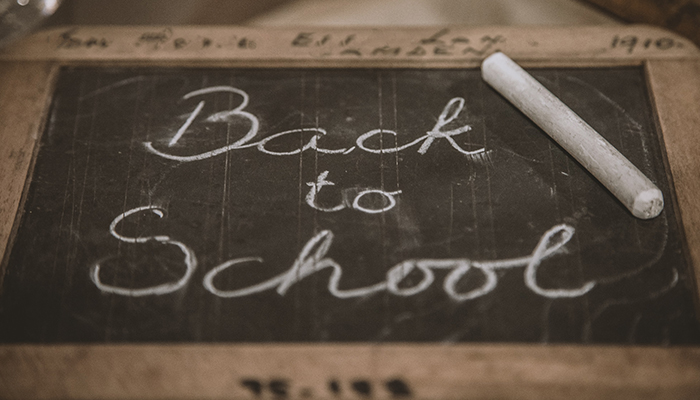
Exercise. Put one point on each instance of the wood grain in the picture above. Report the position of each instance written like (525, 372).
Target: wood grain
(676, 103)
(24, 96)
(431, 372)
(455, 47)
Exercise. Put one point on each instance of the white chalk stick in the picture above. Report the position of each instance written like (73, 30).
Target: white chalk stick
(596, 154)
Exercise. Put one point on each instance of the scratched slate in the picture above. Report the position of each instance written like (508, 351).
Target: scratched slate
(488, 196)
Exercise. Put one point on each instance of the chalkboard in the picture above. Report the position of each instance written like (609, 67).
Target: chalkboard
(338, 205)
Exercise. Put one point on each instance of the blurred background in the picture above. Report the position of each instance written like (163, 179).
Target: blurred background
(330, 12)
(682, 16)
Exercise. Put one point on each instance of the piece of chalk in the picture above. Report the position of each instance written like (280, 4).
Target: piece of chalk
(596, 154)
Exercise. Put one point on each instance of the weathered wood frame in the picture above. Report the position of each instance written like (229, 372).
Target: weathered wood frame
(27, 73)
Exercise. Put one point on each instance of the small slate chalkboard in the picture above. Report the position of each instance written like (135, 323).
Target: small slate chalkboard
(343, 205)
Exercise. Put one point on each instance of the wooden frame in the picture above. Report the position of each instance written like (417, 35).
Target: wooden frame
(27, 72)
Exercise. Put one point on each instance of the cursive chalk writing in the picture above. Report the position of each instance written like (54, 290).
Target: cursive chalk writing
(321, 182)
(449, 113)
(190, 260)
(313, 258)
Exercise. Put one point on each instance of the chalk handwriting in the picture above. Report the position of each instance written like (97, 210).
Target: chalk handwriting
(389, 196)
(321, 182)
(312, 259)
(187, 124)
(190, 260)
(450, 112)
(222, 116)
